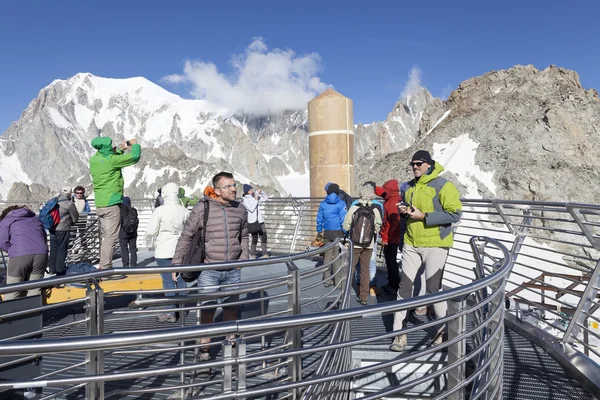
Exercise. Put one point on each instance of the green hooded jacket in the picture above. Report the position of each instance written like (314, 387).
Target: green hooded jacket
(186, 201)
(440, 200)
(105, 167)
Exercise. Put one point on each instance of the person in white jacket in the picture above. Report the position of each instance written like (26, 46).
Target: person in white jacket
(256, 222)
(164, 228)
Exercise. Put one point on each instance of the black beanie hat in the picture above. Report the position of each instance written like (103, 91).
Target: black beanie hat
(424, 156)
(333, 188)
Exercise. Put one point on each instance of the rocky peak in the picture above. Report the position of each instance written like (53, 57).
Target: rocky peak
(519, 133)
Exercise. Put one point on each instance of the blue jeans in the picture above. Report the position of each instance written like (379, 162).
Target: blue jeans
(167, 278)
(210, 281)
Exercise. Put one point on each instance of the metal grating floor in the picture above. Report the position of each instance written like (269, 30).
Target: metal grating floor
(529, 373)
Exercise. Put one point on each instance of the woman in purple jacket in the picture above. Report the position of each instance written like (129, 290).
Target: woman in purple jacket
(22, 235)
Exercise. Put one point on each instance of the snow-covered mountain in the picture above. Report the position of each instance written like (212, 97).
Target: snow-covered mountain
(183, 140)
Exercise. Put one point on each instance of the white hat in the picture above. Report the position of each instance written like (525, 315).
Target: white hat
(67, 190)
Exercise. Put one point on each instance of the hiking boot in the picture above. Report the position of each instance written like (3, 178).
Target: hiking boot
(166, 318)
(399, 343)
(361, 302)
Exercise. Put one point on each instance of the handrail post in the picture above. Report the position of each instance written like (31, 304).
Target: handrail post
(457, 351)
(227, 369)
(91, 362)
(241, 367)
(585, 303)
(294, 334)
(100, 327)
(297, 228)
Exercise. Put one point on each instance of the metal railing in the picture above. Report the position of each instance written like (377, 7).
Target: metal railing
(553, 248)
(307, 352)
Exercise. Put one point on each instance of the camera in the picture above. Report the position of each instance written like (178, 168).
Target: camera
(128, 143)
(404, 204)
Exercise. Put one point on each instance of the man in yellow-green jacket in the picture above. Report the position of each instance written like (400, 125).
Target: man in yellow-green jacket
(431, 205)
(105, 168)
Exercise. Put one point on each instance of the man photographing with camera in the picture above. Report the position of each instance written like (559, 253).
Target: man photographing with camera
(431, 204)
(105, 168)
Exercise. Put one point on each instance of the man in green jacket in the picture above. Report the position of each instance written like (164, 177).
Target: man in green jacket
(431, 205)
(105, 168)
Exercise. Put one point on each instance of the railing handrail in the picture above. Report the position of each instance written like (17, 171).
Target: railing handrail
(66, 279)
(103, 342)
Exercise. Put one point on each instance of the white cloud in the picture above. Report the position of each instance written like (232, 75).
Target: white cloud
(262, 80)
(413, 85)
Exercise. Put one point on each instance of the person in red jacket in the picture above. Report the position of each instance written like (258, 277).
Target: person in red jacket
(391, 235)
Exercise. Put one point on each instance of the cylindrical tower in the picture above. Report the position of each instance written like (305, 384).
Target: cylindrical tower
(330, 142)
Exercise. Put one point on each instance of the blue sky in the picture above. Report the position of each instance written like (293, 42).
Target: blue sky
(365, 49)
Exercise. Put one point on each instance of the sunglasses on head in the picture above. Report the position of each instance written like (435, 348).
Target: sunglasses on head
(416, 163)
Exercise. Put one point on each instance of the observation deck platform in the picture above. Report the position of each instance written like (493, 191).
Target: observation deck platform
(521, 282)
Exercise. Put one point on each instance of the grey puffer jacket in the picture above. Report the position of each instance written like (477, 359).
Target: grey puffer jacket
(68, 213)
(226, 232)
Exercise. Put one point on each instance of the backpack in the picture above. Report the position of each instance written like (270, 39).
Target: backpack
(362, 230)
(196, 251)
(130, 221)
(80, 268)
(49, 215)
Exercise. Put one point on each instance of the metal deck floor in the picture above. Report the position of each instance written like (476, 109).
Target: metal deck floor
(529, 373)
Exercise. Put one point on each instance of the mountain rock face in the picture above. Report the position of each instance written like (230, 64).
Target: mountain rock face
(186, 141)
(519, 133)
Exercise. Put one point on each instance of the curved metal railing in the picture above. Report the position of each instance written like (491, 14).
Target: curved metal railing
(552, 289)
(315, 350)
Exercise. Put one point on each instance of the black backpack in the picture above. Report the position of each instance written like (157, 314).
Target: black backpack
(129, 220)
(362, 230)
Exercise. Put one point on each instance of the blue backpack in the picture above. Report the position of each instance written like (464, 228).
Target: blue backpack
(80, 268)
(49, 215)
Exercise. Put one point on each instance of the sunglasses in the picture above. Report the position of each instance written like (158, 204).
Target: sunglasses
(416, 164)
(227, 187)
(78, 192)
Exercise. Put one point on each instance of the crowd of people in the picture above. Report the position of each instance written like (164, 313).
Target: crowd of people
(414, 220)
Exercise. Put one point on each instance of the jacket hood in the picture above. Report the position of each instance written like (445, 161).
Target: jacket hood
(391, 188)
(103, 145)
(170, 193)
(19, 213)
(209, 192)
(332, 198)
(435, 172)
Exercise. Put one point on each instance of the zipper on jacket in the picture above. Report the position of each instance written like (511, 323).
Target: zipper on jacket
(226, 236)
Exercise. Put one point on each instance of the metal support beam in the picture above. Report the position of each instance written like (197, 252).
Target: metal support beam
(227, 370)
(585, 303)
(456, 352)
(294, 334)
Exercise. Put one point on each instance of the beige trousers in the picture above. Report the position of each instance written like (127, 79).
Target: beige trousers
(110, 224)
(434, 259)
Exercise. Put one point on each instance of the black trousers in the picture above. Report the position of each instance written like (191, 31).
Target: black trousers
(59, 245)
(263, 241)
(390, 252)
(128, 250)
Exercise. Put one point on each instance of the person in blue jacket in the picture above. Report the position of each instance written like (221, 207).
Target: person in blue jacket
(329, 226)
